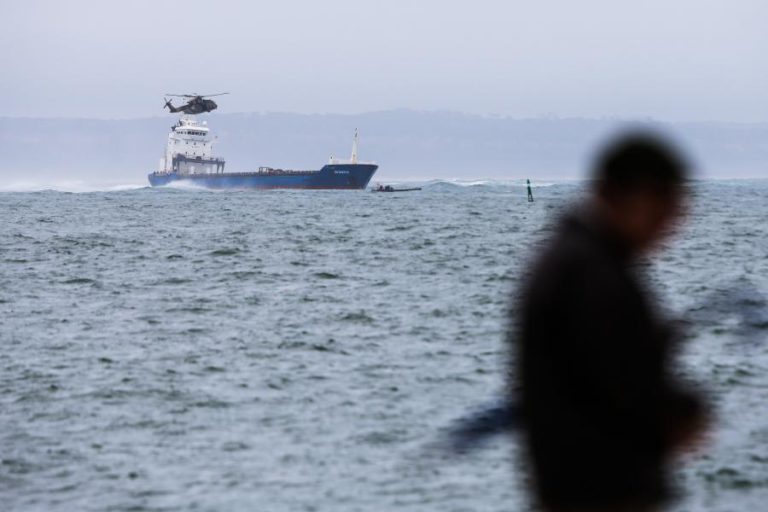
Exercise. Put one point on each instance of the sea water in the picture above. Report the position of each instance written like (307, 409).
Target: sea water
(182, 349)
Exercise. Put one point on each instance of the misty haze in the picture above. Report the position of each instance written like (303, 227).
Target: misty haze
(312, 297)
(408, 146)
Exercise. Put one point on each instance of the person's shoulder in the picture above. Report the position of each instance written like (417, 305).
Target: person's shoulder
(573, 257)
(573, 245)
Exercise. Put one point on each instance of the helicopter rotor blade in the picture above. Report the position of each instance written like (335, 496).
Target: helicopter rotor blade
(183, 95)
(211, 95)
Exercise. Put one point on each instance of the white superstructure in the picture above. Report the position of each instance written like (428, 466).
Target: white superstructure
(190, 149)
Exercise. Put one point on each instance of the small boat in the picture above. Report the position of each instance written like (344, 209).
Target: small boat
(389, 188)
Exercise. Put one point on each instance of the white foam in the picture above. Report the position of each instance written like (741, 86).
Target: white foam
(185, 185)
(496, 183)
(75, 187)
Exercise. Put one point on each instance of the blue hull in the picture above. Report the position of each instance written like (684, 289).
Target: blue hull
(331, 176)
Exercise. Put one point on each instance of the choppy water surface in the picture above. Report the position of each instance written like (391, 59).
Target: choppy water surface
(295, 350)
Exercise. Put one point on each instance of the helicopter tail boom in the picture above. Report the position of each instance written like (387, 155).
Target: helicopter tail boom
(170, 106)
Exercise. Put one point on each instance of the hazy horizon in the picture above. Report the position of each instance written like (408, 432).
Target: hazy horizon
(437, 89)
(492, 116)
(407, 145)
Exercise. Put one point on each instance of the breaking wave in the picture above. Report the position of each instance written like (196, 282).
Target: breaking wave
(477, 183)
(73, 187)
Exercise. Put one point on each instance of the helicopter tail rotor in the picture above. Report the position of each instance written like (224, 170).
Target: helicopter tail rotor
(169, 105)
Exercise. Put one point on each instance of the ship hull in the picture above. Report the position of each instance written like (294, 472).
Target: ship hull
(331, 176)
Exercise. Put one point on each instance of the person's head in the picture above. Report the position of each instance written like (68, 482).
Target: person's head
(638, 185)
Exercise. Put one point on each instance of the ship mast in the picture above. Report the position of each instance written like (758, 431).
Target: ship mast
(353, 158)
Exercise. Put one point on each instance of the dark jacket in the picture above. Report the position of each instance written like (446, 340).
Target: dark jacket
(600, 409)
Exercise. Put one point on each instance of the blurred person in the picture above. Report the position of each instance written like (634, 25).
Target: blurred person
(602, 413)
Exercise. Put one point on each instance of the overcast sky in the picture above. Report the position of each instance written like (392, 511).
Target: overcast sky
(668, 60)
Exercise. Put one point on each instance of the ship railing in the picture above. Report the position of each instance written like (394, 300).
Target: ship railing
(271, 170)
(211, 159)
(337, 161)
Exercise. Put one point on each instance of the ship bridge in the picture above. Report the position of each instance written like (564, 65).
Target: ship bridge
(190, 149)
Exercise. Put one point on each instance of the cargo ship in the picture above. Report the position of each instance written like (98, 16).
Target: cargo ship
(189, 159)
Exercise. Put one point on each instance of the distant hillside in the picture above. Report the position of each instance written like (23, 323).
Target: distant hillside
(407, 144)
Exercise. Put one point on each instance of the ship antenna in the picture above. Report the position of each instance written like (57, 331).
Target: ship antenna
(353, 159)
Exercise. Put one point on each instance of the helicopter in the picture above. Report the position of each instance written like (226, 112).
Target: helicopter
(196, 103)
